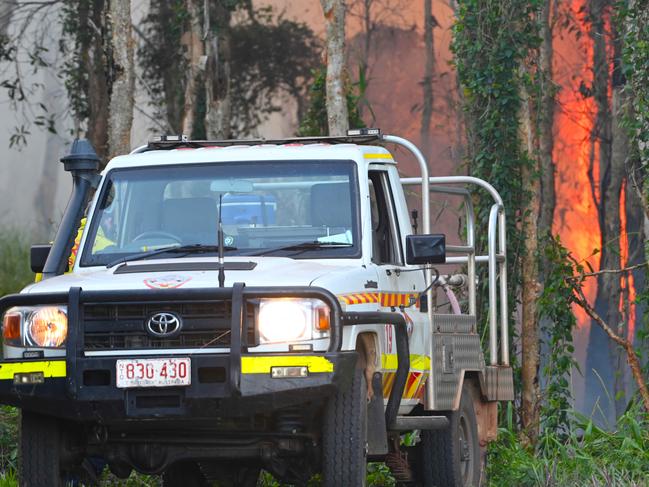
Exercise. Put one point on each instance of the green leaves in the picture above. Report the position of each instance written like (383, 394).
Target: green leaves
(557, 324)
(314, 122)
(585, 455)
(634, 21)
(491, 40)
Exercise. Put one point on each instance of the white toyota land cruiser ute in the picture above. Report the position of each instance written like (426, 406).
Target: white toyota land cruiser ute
(243, 305)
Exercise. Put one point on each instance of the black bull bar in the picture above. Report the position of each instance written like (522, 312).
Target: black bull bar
(238, 294)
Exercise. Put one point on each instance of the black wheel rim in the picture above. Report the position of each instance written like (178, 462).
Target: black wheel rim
(466, 451)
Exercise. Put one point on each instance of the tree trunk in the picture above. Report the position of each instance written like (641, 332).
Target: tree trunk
(194, 48)
(337, 114)
(94, 62)
(123, 75)
(462, 150)
(217, 72)
(427, 83)
(6, 13)
(546, 123)
(530, 356)
(173, 74)
(602, 359)
(619, 156)
(364, 63)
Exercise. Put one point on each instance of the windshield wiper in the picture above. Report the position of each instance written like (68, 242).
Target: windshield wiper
(314, 245)
(176, 249)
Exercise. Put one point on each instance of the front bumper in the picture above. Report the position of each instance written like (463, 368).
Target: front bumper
(237, 383)
(94, 396)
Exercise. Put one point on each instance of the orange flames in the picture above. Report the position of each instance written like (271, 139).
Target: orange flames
(575, 154)
(576, 218)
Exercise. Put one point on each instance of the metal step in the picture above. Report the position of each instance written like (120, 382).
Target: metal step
(408, 423)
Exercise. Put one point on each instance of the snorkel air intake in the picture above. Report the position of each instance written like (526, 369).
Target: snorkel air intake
(82, 162)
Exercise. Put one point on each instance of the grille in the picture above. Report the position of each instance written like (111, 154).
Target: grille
(119, 326)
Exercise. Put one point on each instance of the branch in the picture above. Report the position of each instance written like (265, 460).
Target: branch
(142, 36)
(583, 303)
(627, 345)
(608, 271)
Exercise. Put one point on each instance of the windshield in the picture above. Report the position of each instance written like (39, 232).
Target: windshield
(264, 205)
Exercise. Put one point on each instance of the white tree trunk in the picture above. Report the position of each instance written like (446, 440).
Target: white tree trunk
(123, 86)
(217, 72)
(337, 114)
(195, 50)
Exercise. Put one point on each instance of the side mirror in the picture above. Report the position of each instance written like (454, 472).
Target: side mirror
(38, 256)
(425, 249)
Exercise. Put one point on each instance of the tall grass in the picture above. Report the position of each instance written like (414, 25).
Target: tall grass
(8, 438)
(584, 456)
(15, 273)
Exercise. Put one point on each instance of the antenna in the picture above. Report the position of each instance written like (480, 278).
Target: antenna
(221, 249)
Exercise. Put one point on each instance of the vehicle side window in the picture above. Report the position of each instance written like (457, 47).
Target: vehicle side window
(386, 248)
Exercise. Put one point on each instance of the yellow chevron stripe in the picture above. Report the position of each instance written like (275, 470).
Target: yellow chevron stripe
(388, 382)
(419, 393)
(396, 299)
(392, 300)
(410, 392)
(416, 390)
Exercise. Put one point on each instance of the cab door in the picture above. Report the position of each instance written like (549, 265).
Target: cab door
(399, 286)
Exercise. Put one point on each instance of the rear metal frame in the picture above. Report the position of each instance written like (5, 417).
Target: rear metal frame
(496, 256)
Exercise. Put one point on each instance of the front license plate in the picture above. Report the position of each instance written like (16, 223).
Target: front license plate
(153, 372)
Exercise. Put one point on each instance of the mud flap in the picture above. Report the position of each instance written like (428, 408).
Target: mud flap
(377, 435)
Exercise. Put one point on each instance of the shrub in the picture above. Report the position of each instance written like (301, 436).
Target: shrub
(587, 455)
(15, 273)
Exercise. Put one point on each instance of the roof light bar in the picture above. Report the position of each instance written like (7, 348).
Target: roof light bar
(170, 142)
(170, 138)
(363, 131)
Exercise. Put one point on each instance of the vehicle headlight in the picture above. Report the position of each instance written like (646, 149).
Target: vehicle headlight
(36, 326)
(290, 320)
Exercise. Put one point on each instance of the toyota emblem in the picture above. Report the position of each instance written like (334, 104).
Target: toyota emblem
(164, 325)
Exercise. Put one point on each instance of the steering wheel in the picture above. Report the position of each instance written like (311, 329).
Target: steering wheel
(157, 234)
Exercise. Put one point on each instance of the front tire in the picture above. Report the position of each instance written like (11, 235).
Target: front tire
(452, 457)
(40, 451)
(344, 437)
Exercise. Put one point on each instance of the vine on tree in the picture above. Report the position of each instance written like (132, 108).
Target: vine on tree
(315, 121)
(557, 322)
(633, 21)
(274, 57)
(491, 41)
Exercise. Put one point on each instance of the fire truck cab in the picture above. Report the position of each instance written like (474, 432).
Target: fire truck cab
(252, 304)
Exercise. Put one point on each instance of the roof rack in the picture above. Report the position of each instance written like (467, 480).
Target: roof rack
(169, 142)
